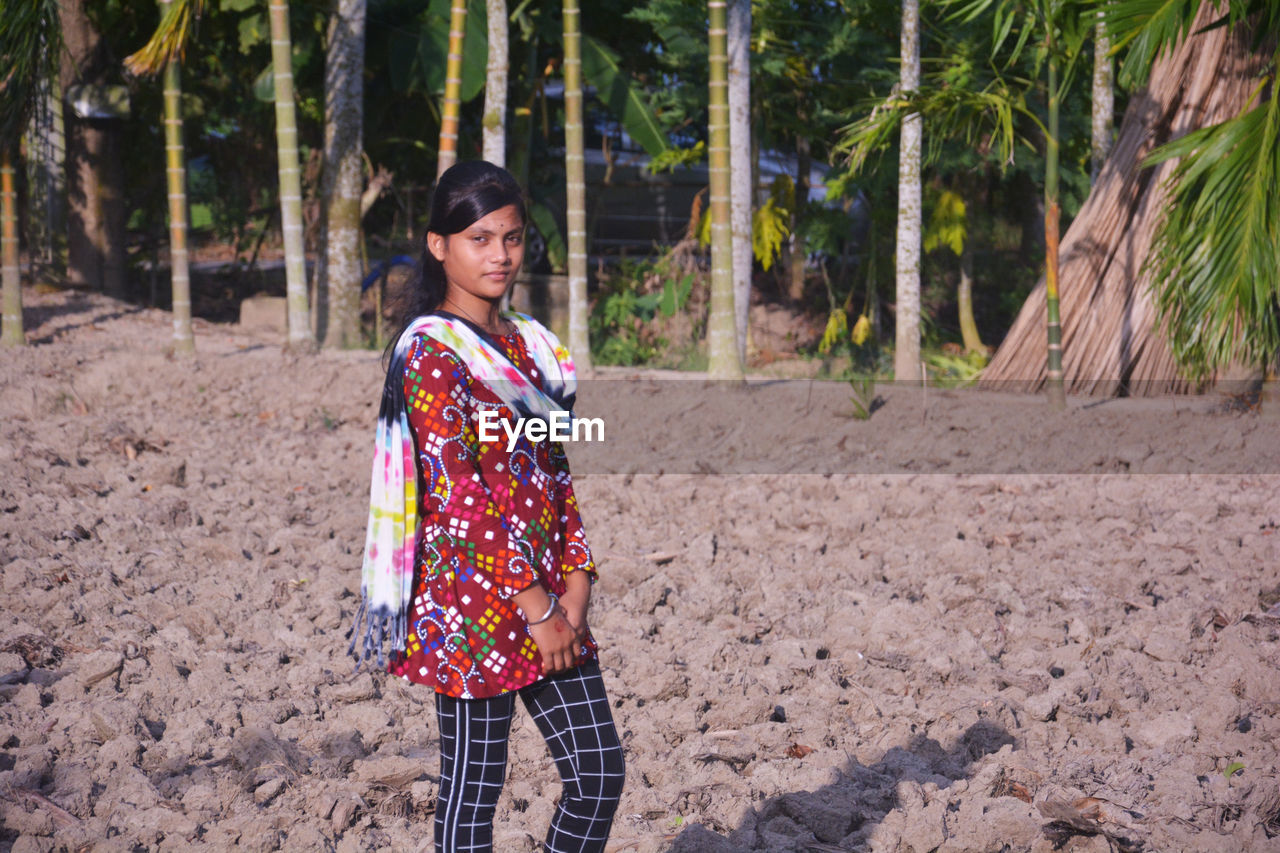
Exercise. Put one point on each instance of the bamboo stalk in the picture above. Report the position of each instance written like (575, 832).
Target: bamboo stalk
(184, 341)
(1055, 388)
(12, 334)
(448, 148)
(295, 259)
(722, 339)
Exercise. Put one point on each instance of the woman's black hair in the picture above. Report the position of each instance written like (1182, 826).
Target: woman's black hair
(465, 193)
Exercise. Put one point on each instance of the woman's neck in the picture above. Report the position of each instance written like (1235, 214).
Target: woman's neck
(482, 312)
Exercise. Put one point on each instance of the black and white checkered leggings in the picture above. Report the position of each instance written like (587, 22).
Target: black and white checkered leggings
(572, 712)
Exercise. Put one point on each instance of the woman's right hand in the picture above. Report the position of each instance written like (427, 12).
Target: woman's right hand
(557, 642)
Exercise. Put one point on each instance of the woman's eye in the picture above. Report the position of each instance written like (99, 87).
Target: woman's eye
(515, 239)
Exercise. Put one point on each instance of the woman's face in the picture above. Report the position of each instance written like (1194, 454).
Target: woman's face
(483, 259)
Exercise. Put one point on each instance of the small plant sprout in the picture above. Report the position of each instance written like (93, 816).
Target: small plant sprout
(864, 392)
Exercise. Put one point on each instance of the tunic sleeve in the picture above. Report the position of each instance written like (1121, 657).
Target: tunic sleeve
(577, 554)
(455, 496)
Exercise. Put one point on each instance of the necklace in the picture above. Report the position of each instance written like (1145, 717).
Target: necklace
(466, 314)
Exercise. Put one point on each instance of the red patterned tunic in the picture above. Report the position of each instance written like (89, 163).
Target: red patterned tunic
(493, 523)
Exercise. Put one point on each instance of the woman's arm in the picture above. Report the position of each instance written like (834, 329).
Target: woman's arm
(577, 566)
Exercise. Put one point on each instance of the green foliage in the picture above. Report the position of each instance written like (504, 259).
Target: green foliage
(836, 332)
(864, 392)
(671, 159)
(1215, 259)
(169, 41)
(30, 44)
(417, 55)
(771, 222)
(948, 224)
(633, 301)
(675, 295)
(1147, 28)
(548, 226)
(600, 68)
(620, 313)
(1233, 768)
(950, 370)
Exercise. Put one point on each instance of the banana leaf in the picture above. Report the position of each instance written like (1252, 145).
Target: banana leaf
(613, 86)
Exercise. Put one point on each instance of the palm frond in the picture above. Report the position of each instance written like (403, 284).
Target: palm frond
(169, 41)
(30, 44)
(984, 118)
(1147, 28)
(1215, 260)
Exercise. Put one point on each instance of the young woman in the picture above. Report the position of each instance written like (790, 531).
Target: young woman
(476, 567)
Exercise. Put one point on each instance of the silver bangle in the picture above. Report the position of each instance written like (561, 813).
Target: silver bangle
(550, 611)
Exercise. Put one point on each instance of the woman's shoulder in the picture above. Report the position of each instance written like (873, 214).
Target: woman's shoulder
(429, 356)
(526, 324)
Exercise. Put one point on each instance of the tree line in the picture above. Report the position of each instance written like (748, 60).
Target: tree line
(984, 103)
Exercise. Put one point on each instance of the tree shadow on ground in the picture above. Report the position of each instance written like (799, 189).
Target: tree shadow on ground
(842, 815)
(37, 317)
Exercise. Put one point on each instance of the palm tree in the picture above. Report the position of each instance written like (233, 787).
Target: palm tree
(295, 261)
(1215, 258)
(31, 44)
(495, 85)
(344, 95)
(1178, 261)
(906, 353)
(575, 187)
(741, 195)
(1057, 26)
(12, 334)
(448, 147)
(724, 360)
(165, 50)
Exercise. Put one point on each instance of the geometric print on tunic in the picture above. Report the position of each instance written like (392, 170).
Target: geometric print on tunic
(493, 522)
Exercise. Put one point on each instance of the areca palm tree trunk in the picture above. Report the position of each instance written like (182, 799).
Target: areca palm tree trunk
(722, 344)
(184, 341)
(906, 353)
(343, 106)
(575, 187)
(448, 147)
(495, 85)
(1104, 99)
(11, 335)
(964, 302)
(295, 261)
(1054, 386)
(796, 261)
(741, 195)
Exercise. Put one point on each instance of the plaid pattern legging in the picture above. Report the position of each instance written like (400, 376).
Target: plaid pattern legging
(572, 712)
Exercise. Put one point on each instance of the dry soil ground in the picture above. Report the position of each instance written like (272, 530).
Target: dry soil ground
(939, 628)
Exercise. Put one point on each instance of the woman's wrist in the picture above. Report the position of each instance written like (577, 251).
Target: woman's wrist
(551, 611)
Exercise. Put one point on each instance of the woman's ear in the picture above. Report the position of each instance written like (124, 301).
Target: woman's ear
(436, 245)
